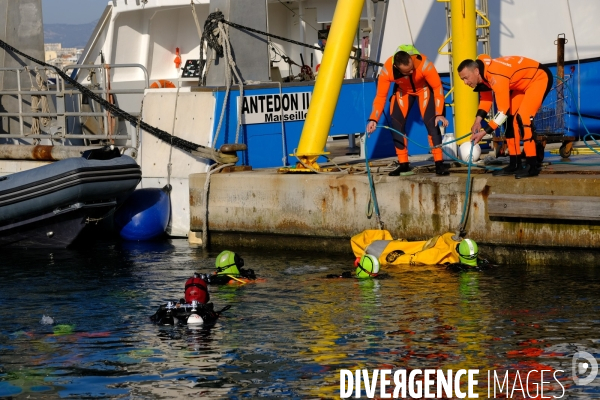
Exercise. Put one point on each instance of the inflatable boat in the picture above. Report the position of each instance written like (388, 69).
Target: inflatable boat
(50, 205)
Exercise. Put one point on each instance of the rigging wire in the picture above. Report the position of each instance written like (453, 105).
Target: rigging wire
(294, 14)
(408, 23)
(578, 65)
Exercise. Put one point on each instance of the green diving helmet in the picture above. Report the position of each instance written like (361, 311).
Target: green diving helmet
(467, 252)
(367, 267)
(228, 262)
(409, 48)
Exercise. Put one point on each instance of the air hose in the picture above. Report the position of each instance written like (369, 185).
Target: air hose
(371, 184)
(461, 229)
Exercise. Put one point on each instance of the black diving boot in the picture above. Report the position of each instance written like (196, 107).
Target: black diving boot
(530, 170)
(403, 167)
(441, 169)
(513, 166)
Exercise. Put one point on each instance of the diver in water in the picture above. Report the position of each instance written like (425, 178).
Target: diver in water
(229, 270)
(468, 255)
(367, 267)
(193, 309)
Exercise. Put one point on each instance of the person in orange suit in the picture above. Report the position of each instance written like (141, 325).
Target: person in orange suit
(520, 85)
(415, 79)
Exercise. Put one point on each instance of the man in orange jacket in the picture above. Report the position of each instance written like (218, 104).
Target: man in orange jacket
(416, 79)
(520, 86)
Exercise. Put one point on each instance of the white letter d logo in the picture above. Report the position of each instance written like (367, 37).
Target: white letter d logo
(582, 367)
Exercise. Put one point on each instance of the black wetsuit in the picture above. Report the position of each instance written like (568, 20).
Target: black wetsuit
(347, 274)
(352, 274)
(482, 264)
(225, 279)
(181, 311)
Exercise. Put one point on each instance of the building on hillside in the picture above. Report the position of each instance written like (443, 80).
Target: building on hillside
(60, 57)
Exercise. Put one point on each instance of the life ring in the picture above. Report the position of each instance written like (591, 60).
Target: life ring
(162, 83)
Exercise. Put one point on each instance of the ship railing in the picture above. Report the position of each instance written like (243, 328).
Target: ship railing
(63, 111)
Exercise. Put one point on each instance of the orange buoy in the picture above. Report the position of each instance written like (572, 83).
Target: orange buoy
(177, 60)
(162, 83)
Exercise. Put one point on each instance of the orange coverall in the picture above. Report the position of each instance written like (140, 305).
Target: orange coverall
(424, 85)
(520, 86)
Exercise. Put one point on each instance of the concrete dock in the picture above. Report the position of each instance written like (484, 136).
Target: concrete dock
(552, 218)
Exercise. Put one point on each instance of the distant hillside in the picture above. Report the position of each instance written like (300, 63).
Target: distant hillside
(69, 35)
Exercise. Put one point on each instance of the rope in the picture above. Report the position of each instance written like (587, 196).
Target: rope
(224, 36)
(170, 164)
(35, 100)
(408, 23)
(182, 144)
(217, 16)
(42, 86)
(39, 103)
(196, 20)
(233, 68)
(211, 171)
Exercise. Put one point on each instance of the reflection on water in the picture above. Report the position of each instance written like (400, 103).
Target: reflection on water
(288, 336)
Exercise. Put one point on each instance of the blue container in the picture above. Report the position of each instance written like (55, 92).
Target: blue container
(144, 215)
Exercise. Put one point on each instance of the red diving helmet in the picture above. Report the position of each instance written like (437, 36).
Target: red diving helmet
(195, 289)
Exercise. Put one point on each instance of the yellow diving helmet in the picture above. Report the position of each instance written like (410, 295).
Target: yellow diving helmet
(367, 267)
(228, 262)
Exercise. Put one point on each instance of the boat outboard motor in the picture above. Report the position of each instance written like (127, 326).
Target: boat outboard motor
(107, 152)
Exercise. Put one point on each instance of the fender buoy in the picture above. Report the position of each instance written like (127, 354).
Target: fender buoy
(144, 215)
(162, 83)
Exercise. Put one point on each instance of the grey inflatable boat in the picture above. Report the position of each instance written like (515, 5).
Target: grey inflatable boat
(50, 205)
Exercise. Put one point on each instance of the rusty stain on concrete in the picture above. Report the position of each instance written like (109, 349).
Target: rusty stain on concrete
(42, 153)
(344, 192)
(485, 193)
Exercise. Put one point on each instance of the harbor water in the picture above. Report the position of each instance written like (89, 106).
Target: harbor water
(75, 324)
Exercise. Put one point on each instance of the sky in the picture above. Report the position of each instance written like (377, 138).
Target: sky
(72, 11)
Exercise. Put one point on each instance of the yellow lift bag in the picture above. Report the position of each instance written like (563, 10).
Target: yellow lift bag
(437, 250)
